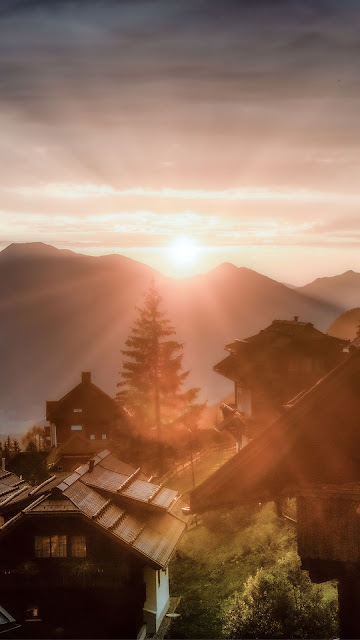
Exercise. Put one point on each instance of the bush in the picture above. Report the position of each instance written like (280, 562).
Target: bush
(280, 603)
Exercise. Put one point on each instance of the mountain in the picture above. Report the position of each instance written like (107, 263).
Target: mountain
(62, 313)
(342, 291)
(346, 325)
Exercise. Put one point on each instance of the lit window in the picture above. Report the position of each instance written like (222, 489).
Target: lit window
(76, 427)
(32, 614)
(50, 546)
(42, 546)
(58, 546)
(92, 437)
(103, 437)
(78, 546)
(77, 410)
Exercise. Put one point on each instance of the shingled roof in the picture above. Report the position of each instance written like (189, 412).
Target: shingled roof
(11, 486)
(246, 355)
(116, 498)
(317, 439)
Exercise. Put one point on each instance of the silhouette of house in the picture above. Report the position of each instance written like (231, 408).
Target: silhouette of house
(85, 410)
(270, 368)
(88, 556)
(312, 451)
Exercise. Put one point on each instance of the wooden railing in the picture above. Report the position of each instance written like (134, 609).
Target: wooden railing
(181, 466)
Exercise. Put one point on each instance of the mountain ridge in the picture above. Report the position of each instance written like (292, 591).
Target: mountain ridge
(61, 317)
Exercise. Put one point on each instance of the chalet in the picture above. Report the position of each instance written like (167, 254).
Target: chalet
(88, 555)
(85, 410)
(312, 451)
(270, 368)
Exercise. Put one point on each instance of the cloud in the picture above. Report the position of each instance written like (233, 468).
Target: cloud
(66, 191)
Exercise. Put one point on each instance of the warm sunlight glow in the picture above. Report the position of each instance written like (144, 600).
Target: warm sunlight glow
(184, 251)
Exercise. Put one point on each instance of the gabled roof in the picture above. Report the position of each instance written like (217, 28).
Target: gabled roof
(278, 336)
(316, 440)
(116, 498)
(80, 392)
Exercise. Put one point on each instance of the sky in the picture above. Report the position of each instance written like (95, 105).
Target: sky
(184, 133)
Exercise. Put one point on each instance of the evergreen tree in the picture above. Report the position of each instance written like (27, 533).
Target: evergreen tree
(152, 378)
(16, 446)
(8, 449)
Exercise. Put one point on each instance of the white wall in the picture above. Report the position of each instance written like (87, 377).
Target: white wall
(157, 597)
(243, 399)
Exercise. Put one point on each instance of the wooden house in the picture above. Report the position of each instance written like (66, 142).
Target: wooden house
(88, 555)
(85, 410)
(312, 451)
(270, 368)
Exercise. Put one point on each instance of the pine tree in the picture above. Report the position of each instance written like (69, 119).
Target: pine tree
(152, 378)
(16, 446)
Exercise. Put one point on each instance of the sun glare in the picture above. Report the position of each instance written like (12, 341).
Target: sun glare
(183, 251)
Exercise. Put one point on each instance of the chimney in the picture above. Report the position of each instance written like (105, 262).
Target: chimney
(3, 464)
(86, 377)
(91, 465)
(296, 318)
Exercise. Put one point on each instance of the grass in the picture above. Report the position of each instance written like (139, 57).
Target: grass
(215, 559)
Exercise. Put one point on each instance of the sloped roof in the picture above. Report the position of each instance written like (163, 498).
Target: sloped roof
(11, 486)
(75, 446)
(278, 335)
(316, 440)
(84, 389)
(116, 498)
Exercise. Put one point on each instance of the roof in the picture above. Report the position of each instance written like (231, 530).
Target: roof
(76, 445)
(11, 487)
(84, 389)
(280, 335)
(317, 439)
(116, 498)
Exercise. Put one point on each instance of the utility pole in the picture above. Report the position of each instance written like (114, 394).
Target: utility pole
(191, 458)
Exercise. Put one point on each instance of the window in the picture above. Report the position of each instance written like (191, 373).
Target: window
(103, 437)
(76, 427)
(50, 546)
(77, 410)
(92, 437)
(32, 614)
(78, 546)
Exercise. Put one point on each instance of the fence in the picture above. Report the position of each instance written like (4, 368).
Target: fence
(181, 466)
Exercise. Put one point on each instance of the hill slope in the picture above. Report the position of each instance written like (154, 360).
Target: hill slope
(342, 291)
(62, 313)
(346, 325)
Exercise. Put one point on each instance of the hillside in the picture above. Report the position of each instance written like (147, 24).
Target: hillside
(346, 325)
(62, 313)
(342, 291)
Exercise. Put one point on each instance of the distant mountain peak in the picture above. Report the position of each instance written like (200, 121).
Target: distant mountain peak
(33, 250)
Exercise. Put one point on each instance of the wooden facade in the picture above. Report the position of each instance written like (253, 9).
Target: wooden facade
(87, 411)
(86, 554)
(272, 367)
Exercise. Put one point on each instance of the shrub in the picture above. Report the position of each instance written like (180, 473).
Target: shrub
(280, 603)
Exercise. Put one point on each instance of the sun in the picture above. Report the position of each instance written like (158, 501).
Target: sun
(183, 251)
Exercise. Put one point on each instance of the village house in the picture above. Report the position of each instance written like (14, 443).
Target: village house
(270, 368)
(85, 410)
(312, 452)
(86, 554)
